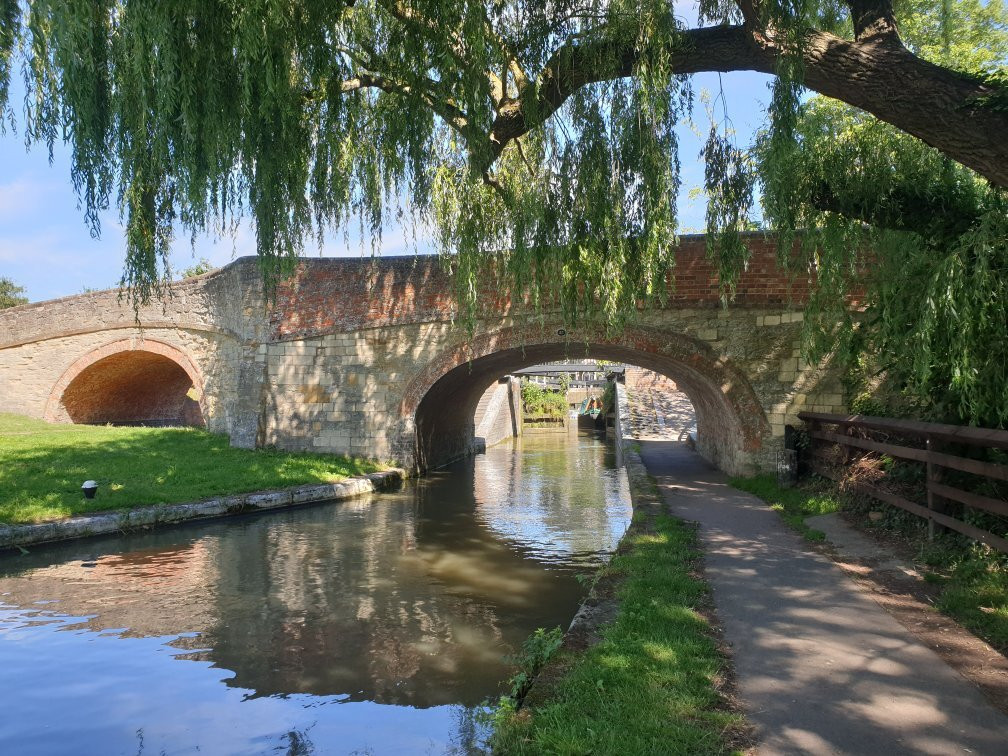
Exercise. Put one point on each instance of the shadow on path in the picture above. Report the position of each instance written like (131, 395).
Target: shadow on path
(820, 667)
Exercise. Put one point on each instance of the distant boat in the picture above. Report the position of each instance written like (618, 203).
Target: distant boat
(591, 406)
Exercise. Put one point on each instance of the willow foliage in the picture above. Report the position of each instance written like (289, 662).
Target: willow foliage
(535, 138)
(310, 115)
(917, 241)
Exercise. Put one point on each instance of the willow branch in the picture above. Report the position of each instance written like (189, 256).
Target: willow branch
(436, 33)
(921, 211)
(446, 109)
(937, 105)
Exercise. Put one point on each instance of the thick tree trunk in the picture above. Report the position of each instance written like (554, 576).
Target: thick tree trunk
(934, 104)
(876, 74)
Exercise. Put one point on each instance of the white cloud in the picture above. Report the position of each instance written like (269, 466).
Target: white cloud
(25, 197)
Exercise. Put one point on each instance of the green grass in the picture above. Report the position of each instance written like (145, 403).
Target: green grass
(976, 594)
(542, 402)
(42, 467)
(794, 504)
(648, 686)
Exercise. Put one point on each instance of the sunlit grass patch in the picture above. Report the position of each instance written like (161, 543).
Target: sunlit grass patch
(975, 591)
(649, 685)
(43, 465)
(793, 504)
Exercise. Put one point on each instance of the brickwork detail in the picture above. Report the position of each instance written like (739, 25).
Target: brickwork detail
(125, 366)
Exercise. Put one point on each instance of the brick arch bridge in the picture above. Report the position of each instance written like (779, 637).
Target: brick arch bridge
(130, 380)
(442, 398)
(362, 357)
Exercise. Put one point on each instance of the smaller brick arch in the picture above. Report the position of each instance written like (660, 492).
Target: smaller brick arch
(129, 381)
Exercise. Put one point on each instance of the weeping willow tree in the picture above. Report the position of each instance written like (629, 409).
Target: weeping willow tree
(918, 240)
(537, 139)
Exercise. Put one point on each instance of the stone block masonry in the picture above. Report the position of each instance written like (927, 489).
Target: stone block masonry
(363, 357)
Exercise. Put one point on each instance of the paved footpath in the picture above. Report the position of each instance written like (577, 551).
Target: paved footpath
(820, 667)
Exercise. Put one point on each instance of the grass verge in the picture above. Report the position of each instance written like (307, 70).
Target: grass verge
(649, 685)
(794, 504)
(974, 590)
(43, 465)
(971, 580)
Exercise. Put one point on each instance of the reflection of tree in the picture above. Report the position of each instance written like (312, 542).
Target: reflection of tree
(405, 599)
(357, 612)
(469, 732)
(165, 587)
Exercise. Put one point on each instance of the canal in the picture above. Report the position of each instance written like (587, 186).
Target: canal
(371, 626)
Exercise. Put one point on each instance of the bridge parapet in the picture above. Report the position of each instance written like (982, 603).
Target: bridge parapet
(229, 300)
(332, 295)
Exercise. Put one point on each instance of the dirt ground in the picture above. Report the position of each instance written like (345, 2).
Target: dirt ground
(884, 566)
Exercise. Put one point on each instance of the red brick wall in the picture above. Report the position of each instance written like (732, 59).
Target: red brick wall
(133, 386)
(127, 382)
(763, 282)
(330, 294)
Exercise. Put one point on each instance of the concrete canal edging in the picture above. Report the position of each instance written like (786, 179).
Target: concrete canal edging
(154, 515)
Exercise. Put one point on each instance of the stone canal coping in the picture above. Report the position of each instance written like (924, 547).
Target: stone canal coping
(155, 515)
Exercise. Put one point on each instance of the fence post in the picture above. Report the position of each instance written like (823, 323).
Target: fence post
(848, 451)
(813, 427)
(933, 476)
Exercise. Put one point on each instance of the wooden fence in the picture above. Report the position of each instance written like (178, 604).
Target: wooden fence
(852, 432)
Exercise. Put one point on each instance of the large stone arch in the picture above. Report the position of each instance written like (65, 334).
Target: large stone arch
(129, 381)
(441, 398)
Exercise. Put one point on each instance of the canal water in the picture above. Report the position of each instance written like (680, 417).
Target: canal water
(372, 626)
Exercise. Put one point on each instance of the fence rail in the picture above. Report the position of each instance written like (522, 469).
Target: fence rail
(933, 435)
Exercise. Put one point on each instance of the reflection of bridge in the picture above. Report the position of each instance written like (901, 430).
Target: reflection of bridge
(363, 357)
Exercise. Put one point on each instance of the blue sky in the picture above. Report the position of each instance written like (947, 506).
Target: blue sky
(46, 247)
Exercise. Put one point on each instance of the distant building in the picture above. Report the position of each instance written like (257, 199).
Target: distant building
(583, 374)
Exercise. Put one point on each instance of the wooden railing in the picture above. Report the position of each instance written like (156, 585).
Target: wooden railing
(853, 432)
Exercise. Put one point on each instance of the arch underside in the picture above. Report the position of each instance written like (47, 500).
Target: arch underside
(730, 421)
(130, 387)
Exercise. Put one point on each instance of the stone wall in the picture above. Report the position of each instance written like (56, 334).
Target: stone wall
(363, 357)
(211, 325)
(496, 422)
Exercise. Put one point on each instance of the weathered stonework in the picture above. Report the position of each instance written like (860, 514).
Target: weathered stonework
(363, 356)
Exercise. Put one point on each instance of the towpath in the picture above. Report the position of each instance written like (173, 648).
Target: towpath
(820, 667)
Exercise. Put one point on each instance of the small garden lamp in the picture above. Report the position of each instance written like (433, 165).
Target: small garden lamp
(90, 488)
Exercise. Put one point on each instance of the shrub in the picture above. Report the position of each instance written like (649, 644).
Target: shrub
(540, 402)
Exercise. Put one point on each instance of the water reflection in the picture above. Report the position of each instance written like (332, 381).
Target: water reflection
(374, 624)
(561, 504)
